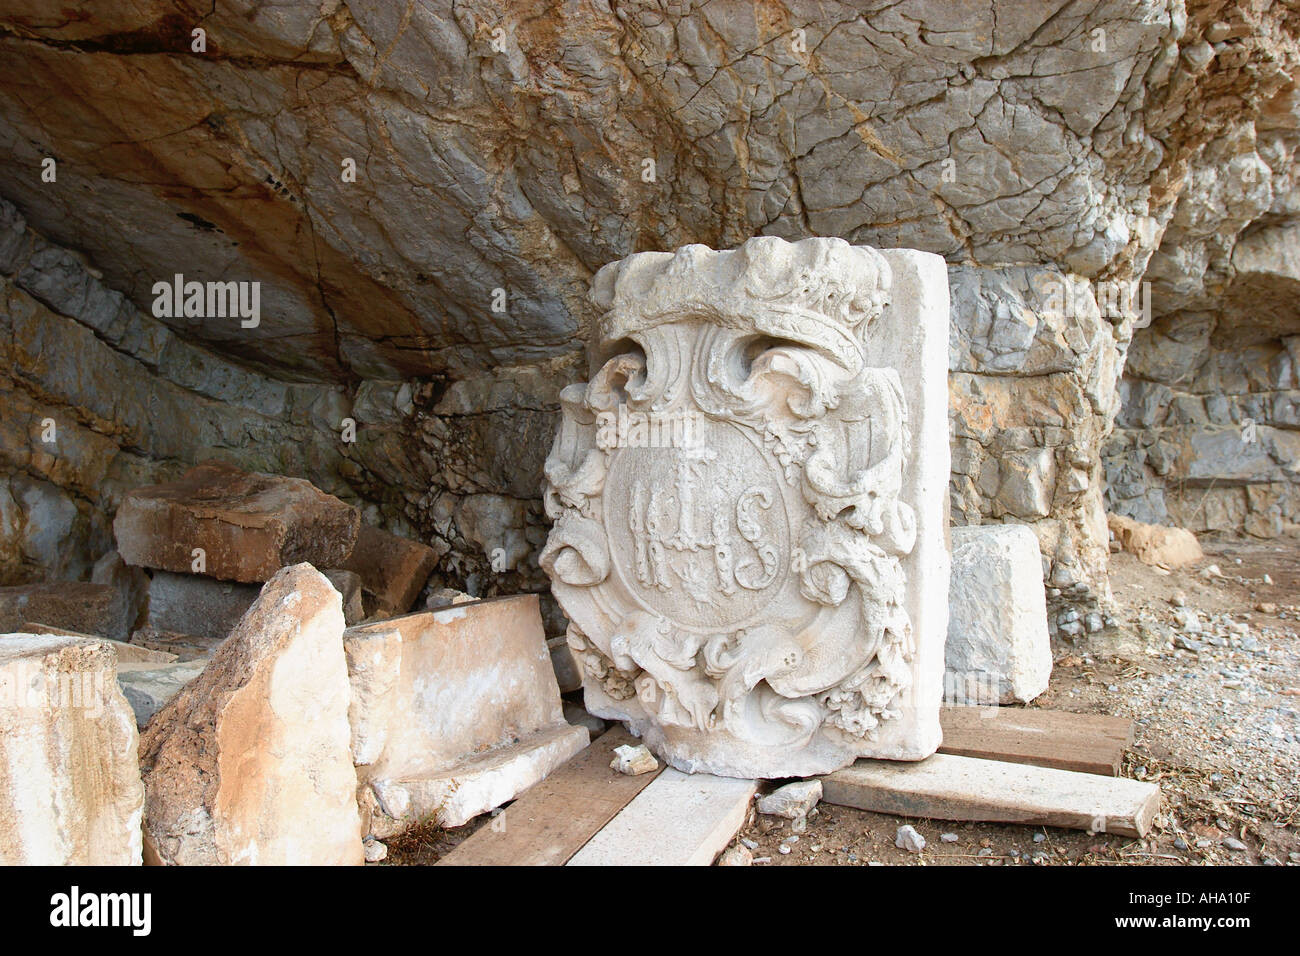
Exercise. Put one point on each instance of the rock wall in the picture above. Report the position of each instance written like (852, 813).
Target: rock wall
(100, 398)
(1050, 150)
(1209, 434)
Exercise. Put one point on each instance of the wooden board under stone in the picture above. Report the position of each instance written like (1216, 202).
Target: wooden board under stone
(945, 787)
(679, 820)
(1090, 743)
(553, 819)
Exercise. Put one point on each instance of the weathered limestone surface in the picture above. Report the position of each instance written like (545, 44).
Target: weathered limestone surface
(70, 791)
(250, 762)
(999, 650)
(248, 525)
(453, 712)
(748, 505)
(84, 608)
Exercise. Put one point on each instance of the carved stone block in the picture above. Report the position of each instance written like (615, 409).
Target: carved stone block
(749, 505)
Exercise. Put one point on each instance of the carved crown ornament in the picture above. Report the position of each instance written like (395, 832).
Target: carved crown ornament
(729, 522)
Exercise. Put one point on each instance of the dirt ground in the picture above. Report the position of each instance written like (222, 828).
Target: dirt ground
(1206, 660)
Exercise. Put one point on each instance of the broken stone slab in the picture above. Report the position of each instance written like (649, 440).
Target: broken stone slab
(945, 787)
(183, 647)
(149, 686)
(70, 791)
(999, 648)
(79, 606)
(751, 551)
(454, 712)
(250, 763)
(124, 652)
(245, 526)
(793, 801)
(200, 606)
(1156, 544)
(393, 570)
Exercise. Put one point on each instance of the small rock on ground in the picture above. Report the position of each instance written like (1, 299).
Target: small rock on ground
(793, 801)
(633, 760)
(737, 855)
(908, 839)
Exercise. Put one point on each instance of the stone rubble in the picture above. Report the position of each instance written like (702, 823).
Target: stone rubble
(1155, 544)
(793, 801)
(633, 760)
(907, 838)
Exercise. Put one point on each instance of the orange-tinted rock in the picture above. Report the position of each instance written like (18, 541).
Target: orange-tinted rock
(250, 763)
(248, 525)
(393, 570)
(1156, 544)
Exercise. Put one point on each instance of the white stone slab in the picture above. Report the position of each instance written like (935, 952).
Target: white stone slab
(453, 712)
(999, 650)
(679, 820)
(946, 787)
(70, 791)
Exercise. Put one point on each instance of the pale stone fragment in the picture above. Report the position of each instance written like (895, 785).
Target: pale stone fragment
(999, 649)
(250, 762)
(70, 791)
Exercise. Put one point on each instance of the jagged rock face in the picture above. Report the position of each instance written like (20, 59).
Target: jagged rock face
(499, 147)
(1208, 436)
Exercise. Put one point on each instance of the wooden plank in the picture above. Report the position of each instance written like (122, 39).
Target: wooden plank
(966, 788)
(679, 820)
(1090, 743)
(552, 819)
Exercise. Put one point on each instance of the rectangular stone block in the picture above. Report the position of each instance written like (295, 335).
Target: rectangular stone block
(453, 712)
(748, 503)
(999, 650)
(247, 525)
(393, 570)
(70, 791)
(92, 609)
(197, 605)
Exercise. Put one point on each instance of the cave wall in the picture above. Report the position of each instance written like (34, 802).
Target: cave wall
(501, 153)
